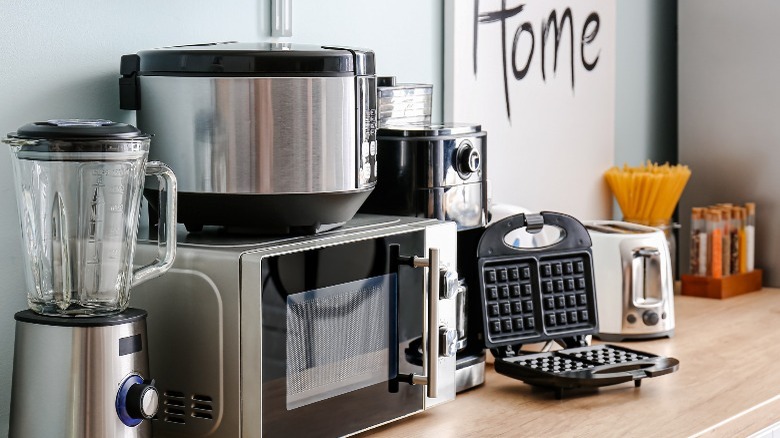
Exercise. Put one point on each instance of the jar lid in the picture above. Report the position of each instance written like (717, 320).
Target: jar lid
(78, 129)
(234, 58)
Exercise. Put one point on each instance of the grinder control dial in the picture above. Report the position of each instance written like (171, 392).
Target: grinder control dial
(468, 159)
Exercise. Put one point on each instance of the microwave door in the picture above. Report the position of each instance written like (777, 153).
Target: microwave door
(335, 320)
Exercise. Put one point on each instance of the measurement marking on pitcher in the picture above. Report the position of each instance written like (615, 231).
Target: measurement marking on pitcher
(111, 172)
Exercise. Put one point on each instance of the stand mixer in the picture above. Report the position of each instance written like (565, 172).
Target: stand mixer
(80, 356)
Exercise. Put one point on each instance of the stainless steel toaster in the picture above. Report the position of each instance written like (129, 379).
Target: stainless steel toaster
(634, 284)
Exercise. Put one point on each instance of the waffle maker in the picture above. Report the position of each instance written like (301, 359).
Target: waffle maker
(537, 285)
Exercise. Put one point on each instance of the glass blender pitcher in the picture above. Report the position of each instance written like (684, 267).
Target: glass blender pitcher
(78, 187)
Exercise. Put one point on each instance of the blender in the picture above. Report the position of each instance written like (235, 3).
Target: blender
(80, 354)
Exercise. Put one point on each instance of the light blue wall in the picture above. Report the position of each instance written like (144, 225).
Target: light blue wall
(646, 82)
(61, 59)
(407, 35)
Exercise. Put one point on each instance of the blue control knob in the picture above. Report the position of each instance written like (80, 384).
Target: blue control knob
(136, 400)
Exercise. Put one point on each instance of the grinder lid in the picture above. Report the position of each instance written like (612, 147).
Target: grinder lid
(417, 130)
(234, 58)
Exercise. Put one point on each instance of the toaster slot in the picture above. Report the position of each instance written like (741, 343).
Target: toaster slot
(646, 276)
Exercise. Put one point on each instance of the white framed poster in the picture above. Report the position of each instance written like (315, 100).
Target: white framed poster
(539, 76)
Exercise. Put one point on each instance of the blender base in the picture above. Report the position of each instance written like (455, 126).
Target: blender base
(68, 372)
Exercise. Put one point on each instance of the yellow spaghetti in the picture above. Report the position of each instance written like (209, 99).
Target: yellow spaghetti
(648, 193)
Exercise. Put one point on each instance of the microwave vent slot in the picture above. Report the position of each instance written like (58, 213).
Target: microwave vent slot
(174, 402)
(201, 407)
(174, 411)
(177, 407)
(172, 419)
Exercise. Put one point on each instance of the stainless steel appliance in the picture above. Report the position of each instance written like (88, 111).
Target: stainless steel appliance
(438, 171)
(432, 170)
(275, 137)
(82, 377)
(306, 335)
(80, 358)
(633, 281)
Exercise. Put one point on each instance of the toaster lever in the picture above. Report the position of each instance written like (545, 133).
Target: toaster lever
(646, 252)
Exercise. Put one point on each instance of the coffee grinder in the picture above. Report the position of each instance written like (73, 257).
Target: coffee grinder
(80, 354)
(438, 171)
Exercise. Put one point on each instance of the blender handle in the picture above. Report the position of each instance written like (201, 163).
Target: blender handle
(166, 225)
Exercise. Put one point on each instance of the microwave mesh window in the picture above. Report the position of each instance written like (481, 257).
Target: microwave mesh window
(339, 339)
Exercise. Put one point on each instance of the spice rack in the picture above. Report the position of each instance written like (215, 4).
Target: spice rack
(722, 262)
(720, 288)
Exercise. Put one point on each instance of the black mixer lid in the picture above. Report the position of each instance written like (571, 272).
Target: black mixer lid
(78, 129)
(234, 58)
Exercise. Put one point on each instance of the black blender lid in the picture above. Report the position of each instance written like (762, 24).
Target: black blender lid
(428, 130)
(78, 129)
(249, 59)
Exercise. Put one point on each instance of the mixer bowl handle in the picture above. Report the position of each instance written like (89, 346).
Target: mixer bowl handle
(166, 225)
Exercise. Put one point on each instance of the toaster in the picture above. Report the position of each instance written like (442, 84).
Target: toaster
(634, 284)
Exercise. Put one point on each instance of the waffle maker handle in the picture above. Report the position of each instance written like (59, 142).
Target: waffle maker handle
(574, 235)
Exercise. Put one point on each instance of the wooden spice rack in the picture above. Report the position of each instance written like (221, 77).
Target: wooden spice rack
(726, 287)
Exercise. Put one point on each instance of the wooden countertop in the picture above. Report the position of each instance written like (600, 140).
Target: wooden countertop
(728, 384)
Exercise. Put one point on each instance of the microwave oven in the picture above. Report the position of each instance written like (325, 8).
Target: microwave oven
(324, 335)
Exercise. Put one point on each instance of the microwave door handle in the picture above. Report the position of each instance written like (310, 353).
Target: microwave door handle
(432, 342)
(431, 330)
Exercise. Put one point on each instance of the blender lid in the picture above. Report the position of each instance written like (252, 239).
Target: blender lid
(234, 58)
(78, 129)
